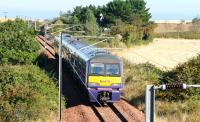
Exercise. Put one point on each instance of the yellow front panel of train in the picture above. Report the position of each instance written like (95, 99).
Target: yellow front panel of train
(104, 80)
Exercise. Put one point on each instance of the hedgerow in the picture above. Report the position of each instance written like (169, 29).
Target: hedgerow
(188, 73)
(26, 93)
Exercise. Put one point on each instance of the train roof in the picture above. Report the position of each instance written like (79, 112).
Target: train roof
(82, 49)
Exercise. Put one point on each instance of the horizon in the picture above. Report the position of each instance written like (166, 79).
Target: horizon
(160, 10)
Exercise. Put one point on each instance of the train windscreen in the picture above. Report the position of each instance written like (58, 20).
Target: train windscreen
(112, 69)
(97, 69)
(104, 69)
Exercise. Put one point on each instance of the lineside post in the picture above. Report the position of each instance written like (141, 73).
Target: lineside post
(60, 78)
(149, 103)
(150, 96)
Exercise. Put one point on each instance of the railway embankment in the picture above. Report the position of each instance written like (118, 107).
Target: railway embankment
(27, 93)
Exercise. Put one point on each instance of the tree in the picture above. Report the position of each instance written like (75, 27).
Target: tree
(74, 20)
(195, 25)
(134, 16)
(91, 25)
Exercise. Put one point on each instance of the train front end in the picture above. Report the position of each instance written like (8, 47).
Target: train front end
(105, 78)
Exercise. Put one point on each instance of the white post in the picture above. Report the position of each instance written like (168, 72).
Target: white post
(60, 78)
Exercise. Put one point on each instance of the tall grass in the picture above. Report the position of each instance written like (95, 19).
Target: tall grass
(167, 109)
(185, 35)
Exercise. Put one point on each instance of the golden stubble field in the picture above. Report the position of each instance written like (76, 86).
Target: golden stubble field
(163, 53)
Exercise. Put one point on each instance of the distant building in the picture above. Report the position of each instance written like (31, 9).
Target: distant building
(172, 21)
(164, 26)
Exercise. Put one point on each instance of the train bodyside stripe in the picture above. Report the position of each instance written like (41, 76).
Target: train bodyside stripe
(104, 80)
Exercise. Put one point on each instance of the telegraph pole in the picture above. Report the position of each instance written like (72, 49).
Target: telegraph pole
(5, 14)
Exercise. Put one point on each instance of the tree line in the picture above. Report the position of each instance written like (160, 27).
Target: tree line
(129, 18)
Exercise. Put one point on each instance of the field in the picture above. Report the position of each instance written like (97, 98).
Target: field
(171, 27)
(165, 54)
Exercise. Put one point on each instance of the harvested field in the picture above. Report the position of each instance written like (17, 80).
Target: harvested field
(163, 53)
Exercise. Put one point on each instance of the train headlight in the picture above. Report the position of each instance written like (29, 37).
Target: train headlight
(116, 84)
(92, 84)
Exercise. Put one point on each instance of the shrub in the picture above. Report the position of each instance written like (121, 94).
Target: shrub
(175, 105)
(136, 77)
(188, 73)
(26, 93)
(17, 43)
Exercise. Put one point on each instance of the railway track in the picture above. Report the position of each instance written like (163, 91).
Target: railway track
(117, 112)
(47, 46)
(108, 113)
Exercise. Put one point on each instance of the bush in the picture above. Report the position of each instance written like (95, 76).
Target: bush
(26, 94)
(188, 73)
(175, 105)
(17, 43)
(136, 77)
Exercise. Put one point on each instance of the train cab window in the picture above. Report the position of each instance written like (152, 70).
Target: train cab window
(112, 69)
(97, 69)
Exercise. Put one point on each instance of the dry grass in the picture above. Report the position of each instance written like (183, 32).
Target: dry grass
(162, 53)
(165, 54)
(136, 77)
(177, 111)
(2, 19)
(171, 27)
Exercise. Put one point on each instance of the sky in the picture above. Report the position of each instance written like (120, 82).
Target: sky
(48, 9)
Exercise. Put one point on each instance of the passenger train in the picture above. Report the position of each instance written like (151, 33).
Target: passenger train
(100, 71)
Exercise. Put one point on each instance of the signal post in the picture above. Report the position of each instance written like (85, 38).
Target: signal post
(150, 97)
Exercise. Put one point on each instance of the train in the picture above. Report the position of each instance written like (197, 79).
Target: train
(97, 69)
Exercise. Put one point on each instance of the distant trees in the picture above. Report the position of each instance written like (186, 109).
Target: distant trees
(130, 18)
(58, 25)
(91, 25)
(195, 25)
(130, 11)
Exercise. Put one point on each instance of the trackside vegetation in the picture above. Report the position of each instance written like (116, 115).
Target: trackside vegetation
(17, 43)
(27, 93)
(173, 105)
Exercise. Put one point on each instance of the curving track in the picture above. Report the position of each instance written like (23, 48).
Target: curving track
(78, 106)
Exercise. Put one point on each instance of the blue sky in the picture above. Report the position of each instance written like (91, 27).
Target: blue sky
(42, 9)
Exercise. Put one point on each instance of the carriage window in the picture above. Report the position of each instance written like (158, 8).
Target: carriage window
(97, 69)
(112, 69)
